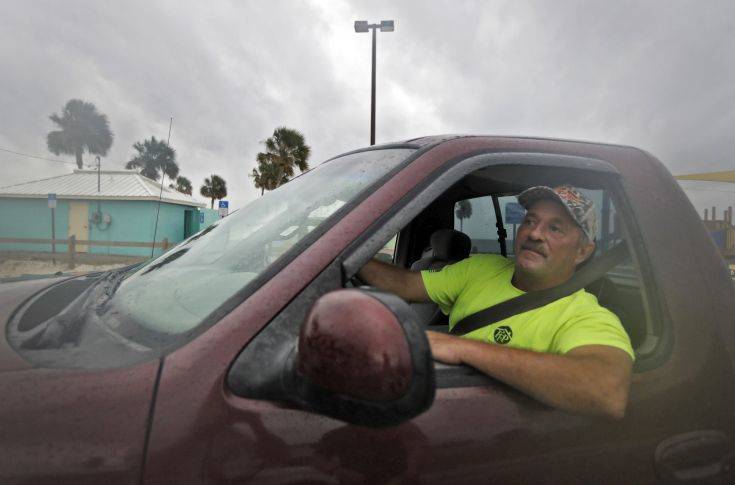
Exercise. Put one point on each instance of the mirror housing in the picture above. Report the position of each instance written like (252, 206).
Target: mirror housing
(363, 358)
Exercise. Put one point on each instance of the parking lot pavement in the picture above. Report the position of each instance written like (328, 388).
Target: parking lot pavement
(15, 268)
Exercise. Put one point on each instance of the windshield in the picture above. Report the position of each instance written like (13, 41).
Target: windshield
(175, 292)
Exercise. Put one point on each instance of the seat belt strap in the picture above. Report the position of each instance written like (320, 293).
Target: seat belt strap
(592, 271)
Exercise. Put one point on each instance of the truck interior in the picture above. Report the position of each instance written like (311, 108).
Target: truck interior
(479, 213)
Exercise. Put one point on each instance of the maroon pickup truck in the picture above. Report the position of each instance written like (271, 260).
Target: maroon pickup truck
(251, 352)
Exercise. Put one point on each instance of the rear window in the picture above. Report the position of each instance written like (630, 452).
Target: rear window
(476, 217)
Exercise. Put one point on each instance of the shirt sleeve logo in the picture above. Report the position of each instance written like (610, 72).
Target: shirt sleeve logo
(503, 335)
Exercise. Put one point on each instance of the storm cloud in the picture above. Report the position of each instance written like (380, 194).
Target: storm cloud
(659, 75)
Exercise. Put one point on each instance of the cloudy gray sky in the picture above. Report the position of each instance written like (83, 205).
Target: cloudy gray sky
(659, 75)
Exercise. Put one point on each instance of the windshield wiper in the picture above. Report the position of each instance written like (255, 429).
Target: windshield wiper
(112, 283)
(171, 257)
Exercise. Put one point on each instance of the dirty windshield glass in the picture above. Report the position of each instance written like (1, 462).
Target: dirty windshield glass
(175, 292)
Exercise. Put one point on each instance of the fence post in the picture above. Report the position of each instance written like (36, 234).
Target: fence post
(72, 248)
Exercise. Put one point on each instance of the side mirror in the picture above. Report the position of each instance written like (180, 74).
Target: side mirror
(363, 358)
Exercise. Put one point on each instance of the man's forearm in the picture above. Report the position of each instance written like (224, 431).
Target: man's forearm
(591, 379)
(404, 283)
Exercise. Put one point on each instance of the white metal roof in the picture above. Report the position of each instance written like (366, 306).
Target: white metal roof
(114, 185)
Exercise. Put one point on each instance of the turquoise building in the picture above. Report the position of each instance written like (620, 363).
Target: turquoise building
(119, 207)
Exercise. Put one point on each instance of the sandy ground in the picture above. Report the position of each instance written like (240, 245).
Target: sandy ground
(10, 268)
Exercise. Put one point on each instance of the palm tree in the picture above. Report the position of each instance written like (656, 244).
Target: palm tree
(464, 211)
(284, 151)
(155, 158)
(82, 127)
(182, 185)
(265, 175)
(214, 188)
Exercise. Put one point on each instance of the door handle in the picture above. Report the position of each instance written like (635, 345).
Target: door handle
(696, 456)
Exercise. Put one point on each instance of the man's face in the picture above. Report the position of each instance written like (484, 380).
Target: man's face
(548, 243)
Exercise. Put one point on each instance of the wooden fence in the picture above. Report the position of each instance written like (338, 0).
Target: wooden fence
(72, 244)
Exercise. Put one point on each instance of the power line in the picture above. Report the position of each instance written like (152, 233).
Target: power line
(37, 157)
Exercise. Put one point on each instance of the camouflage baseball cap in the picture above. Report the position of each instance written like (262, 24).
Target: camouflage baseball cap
(577, 205)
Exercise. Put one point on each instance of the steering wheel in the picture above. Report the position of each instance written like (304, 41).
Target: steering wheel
(357, 282)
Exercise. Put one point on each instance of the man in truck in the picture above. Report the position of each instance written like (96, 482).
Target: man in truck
(571, 353)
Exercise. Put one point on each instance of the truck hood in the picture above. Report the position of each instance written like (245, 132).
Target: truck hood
(67, 425)
(12, 296)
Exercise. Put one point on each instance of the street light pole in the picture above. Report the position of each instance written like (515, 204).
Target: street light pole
(372, 98)
(363, 26)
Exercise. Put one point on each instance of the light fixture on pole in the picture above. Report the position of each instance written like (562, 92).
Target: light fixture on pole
(364, 26)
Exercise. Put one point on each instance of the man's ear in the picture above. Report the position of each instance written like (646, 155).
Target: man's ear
(584, 251)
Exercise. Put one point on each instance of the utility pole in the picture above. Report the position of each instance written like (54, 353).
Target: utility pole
(99, 168)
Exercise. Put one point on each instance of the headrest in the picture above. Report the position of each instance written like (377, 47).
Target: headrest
(450, 245)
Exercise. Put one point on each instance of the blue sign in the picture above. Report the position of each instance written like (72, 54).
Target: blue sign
(514, 213)
(52, 201)
(201, 218)
(223, 208)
